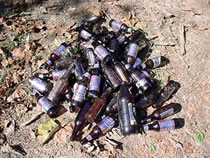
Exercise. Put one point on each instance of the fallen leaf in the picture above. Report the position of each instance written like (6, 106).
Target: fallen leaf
(18, 53)
(4, 63)
(94, 11)
(18, 93)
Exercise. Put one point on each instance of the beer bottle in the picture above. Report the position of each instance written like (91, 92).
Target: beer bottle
(100, 129)
(80, 122)
(54, 75)
(95, 80)
(108, 37)
(98, 106)
(79, 69)
(80, 92)
(166, 93)
(121, 72)
(40, 85)
(162, 113)
(147, 100)
(60, 87)
(149, 77)
(112, 107)
(93, 20)
(119, 26)
(134, 48)
(84, 34)
(102, 53)
(162, 125)
(155, 62)
(111, 77)
(46, 105)
(127, 111)
(90, 56)
(57, 53)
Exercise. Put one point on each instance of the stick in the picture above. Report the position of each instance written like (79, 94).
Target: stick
(182, 40)
(33, 119)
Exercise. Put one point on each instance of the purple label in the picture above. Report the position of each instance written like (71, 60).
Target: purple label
(59, 50)
(167, 113)
(137, 63)
(58, 74)
(39, 84)
(101, 52)
(116, 25)
(166, 124)
(94, 83)
(45, 104)
(133, 50)
(106, 124)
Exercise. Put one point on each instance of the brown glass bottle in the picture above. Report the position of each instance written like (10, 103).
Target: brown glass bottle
(40, 85)
(155, 62)
(164, 125)
(100, 129)
(80, 92)
(60, 87)
(80, 121)
(127, 111)
(54, 75)
(98, 106)
(162, 113)
(119, 26)
(166, 93)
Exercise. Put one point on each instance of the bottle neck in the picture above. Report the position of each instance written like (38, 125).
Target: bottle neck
(147, 120)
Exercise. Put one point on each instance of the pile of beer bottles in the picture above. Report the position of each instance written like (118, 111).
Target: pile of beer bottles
(106, 82)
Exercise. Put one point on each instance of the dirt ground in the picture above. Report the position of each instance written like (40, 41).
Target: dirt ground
(162, 20)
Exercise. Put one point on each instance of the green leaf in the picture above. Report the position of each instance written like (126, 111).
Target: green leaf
(152, 146)
(200, 135)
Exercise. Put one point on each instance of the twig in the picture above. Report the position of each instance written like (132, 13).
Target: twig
(166, 44)
(182, 39)
(33, 119)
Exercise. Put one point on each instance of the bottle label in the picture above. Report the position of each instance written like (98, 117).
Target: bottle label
(145, 74)
(89, 137)
(143, 66)
(156, 61)
(86, 35)
(166, 125)
(132, 112)
(57, 74)
(80, 93)
(166, 113)
(75, 87)
(49, 62)
(141, 83)
(101, 52)
(146, 127)
(133, 50)
(137, 63)
(59, 50)
(91, 58)
(116, 25)
(121, 39)
(94, 83)
(106, 124)
(45, 104)
(39, 85)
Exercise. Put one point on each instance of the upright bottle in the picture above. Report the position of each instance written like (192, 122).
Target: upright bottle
(164, 125)
(98, 106)
(119, 26)
(127, 111)
(80, 92)
(40, 85)
(95, 80)
(166, 93)
(80, 122)
(46, 105)
(162, 113)
(54, 75)
(111, 77)
(155, 62)
(60, 87)
(102, 53)
(57, 53)
(100, 129)
(121, 72)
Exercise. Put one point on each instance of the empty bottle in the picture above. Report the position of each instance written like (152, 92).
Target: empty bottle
(111, 77)
(54, 75)
(112, 107)
(60, 87)
(100, 129)
(127, 111)
(119, 26)
(162, 113)
(79, 69)
(121, 72)
(40, 85)
(46, 105)
(98, 106)
(155, 62)
(147, 100)
(80, 122)
(133, 50)
(102, 53)
(90, 56)
(56, 54)
(166, 93)
(95, 81)
(80, 92)
(93, 20)
(164, 125)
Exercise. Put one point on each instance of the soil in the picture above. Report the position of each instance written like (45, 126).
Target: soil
(162, 20)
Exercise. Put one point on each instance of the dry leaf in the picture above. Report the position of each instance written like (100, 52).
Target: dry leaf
(18, 53)
(4, 63)
(18, 93)
(94, 11)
